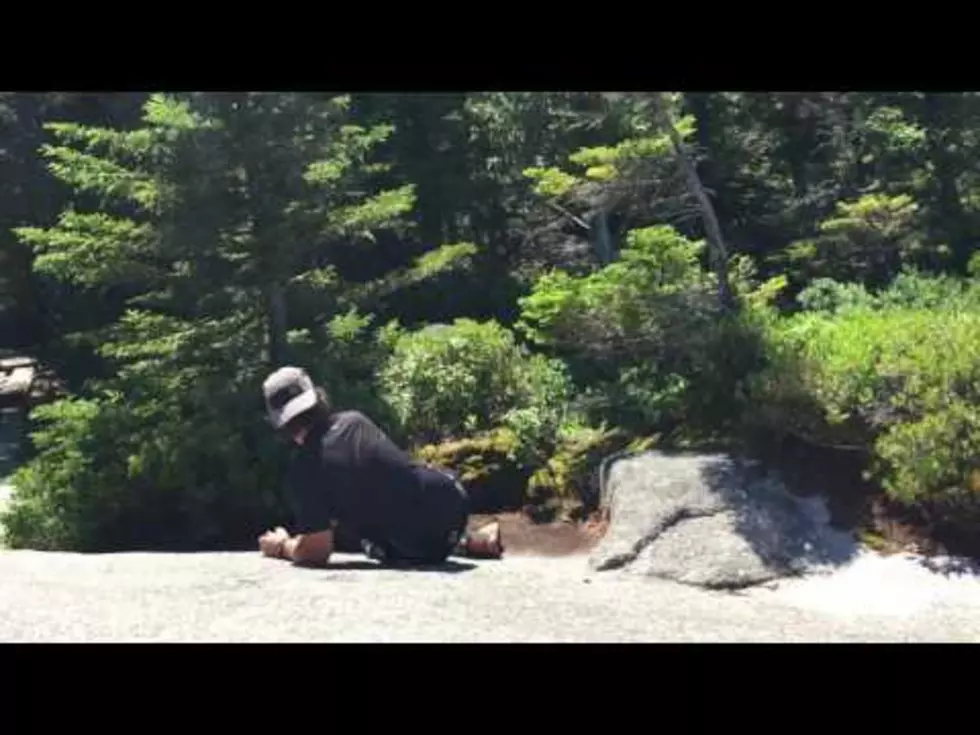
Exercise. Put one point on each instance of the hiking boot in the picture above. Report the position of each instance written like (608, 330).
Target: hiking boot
(484, 543)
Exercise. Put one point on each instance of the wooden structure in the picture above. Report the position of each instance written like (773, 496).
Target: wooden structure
(17, 378)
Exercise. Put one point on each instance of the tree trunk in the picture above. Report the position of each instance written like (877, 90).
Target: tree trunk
(708, 125)
(950, 216)
(277, 324)
(602, 239)
(718, 252)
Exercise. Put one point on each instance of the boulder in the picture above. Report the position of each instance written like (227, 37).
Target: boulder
(713, 521)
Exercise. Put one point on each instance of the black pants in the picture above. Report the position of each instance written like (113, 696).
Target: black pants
(437, 541)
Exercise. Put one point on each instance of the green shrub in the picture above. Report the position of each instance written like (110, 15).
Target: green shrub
(909, 289)
(449, 381)
(898, 381)
(636, 307)
(544, 405)
(147, 469)
(830, 296)
(915, 290)
(570, 476)
(646, 336)
(490, 466)
(486, 463)
(638, 398)
(935, 458)
(44, 512)
(973, 265)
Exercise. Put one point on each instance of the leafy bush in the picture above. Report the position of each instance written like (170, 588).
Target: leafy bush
(910, 288)
(830, 296)
(545, 404)
(639, 396)
(935, 458)
(973, 265)
(899, 378)
(487, 464)
(656, 289)
(148, 466)
(646, 335)
(570, 476)
(448, 381)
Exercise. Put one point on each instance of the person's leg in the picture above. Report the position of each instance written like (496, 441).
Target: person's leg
(436, 548)
(347, 540)
(428, 547)
(483, 543)
(443, 534)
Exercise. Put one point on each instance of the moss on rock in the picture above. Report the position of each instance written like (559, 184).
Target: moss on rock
(487, 465)
(570, 480)
(566, 486)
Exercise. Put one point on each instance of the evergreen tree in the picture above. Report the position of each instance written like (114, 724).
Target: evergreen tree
(216, 215)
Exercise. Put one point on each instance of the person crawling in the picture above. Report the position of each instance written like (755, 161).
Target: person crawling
(347, 473)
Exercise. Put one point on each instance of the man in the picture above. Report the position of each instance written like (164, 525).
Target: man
(348, 473)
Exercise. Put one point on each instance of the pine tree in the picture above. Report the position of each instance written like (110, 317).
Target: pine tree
(215, 216)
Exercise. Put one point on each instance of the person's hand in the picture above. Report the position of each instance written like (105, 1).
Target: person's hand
(271, 542)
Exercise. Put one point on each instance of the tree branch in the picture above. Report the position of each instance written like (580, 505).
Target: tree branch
(576, 219)
(707, 210)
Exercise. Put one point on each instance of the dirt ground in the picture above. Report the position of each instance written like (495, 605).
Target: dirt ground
(522, 536)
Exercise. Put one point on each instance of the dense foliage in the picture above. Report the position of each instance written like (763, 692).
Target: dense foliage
(446, 381)
(513, 284)
(895, 372)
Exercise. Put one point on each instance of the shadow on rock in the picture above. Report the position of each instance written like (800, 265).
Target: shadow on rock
(713, 521)
(951, 567)
(448, 567)
(777, 524)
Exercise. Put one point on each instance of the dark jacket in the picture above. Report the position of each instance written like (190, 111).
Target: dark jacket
(349, 472)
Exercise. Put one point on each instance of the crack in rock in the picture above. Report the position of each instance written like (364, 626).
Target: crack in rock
(620, 560)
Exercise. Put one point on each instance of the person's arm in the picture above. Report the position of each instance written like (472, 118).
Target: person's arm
(312, 500)
(304, 548)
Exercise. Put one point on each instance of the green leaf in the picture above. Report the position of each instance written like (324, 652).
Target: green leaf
(381, 210)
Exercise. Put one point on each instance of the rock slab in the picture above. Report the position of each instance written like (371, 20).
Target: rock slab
(713, 521)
